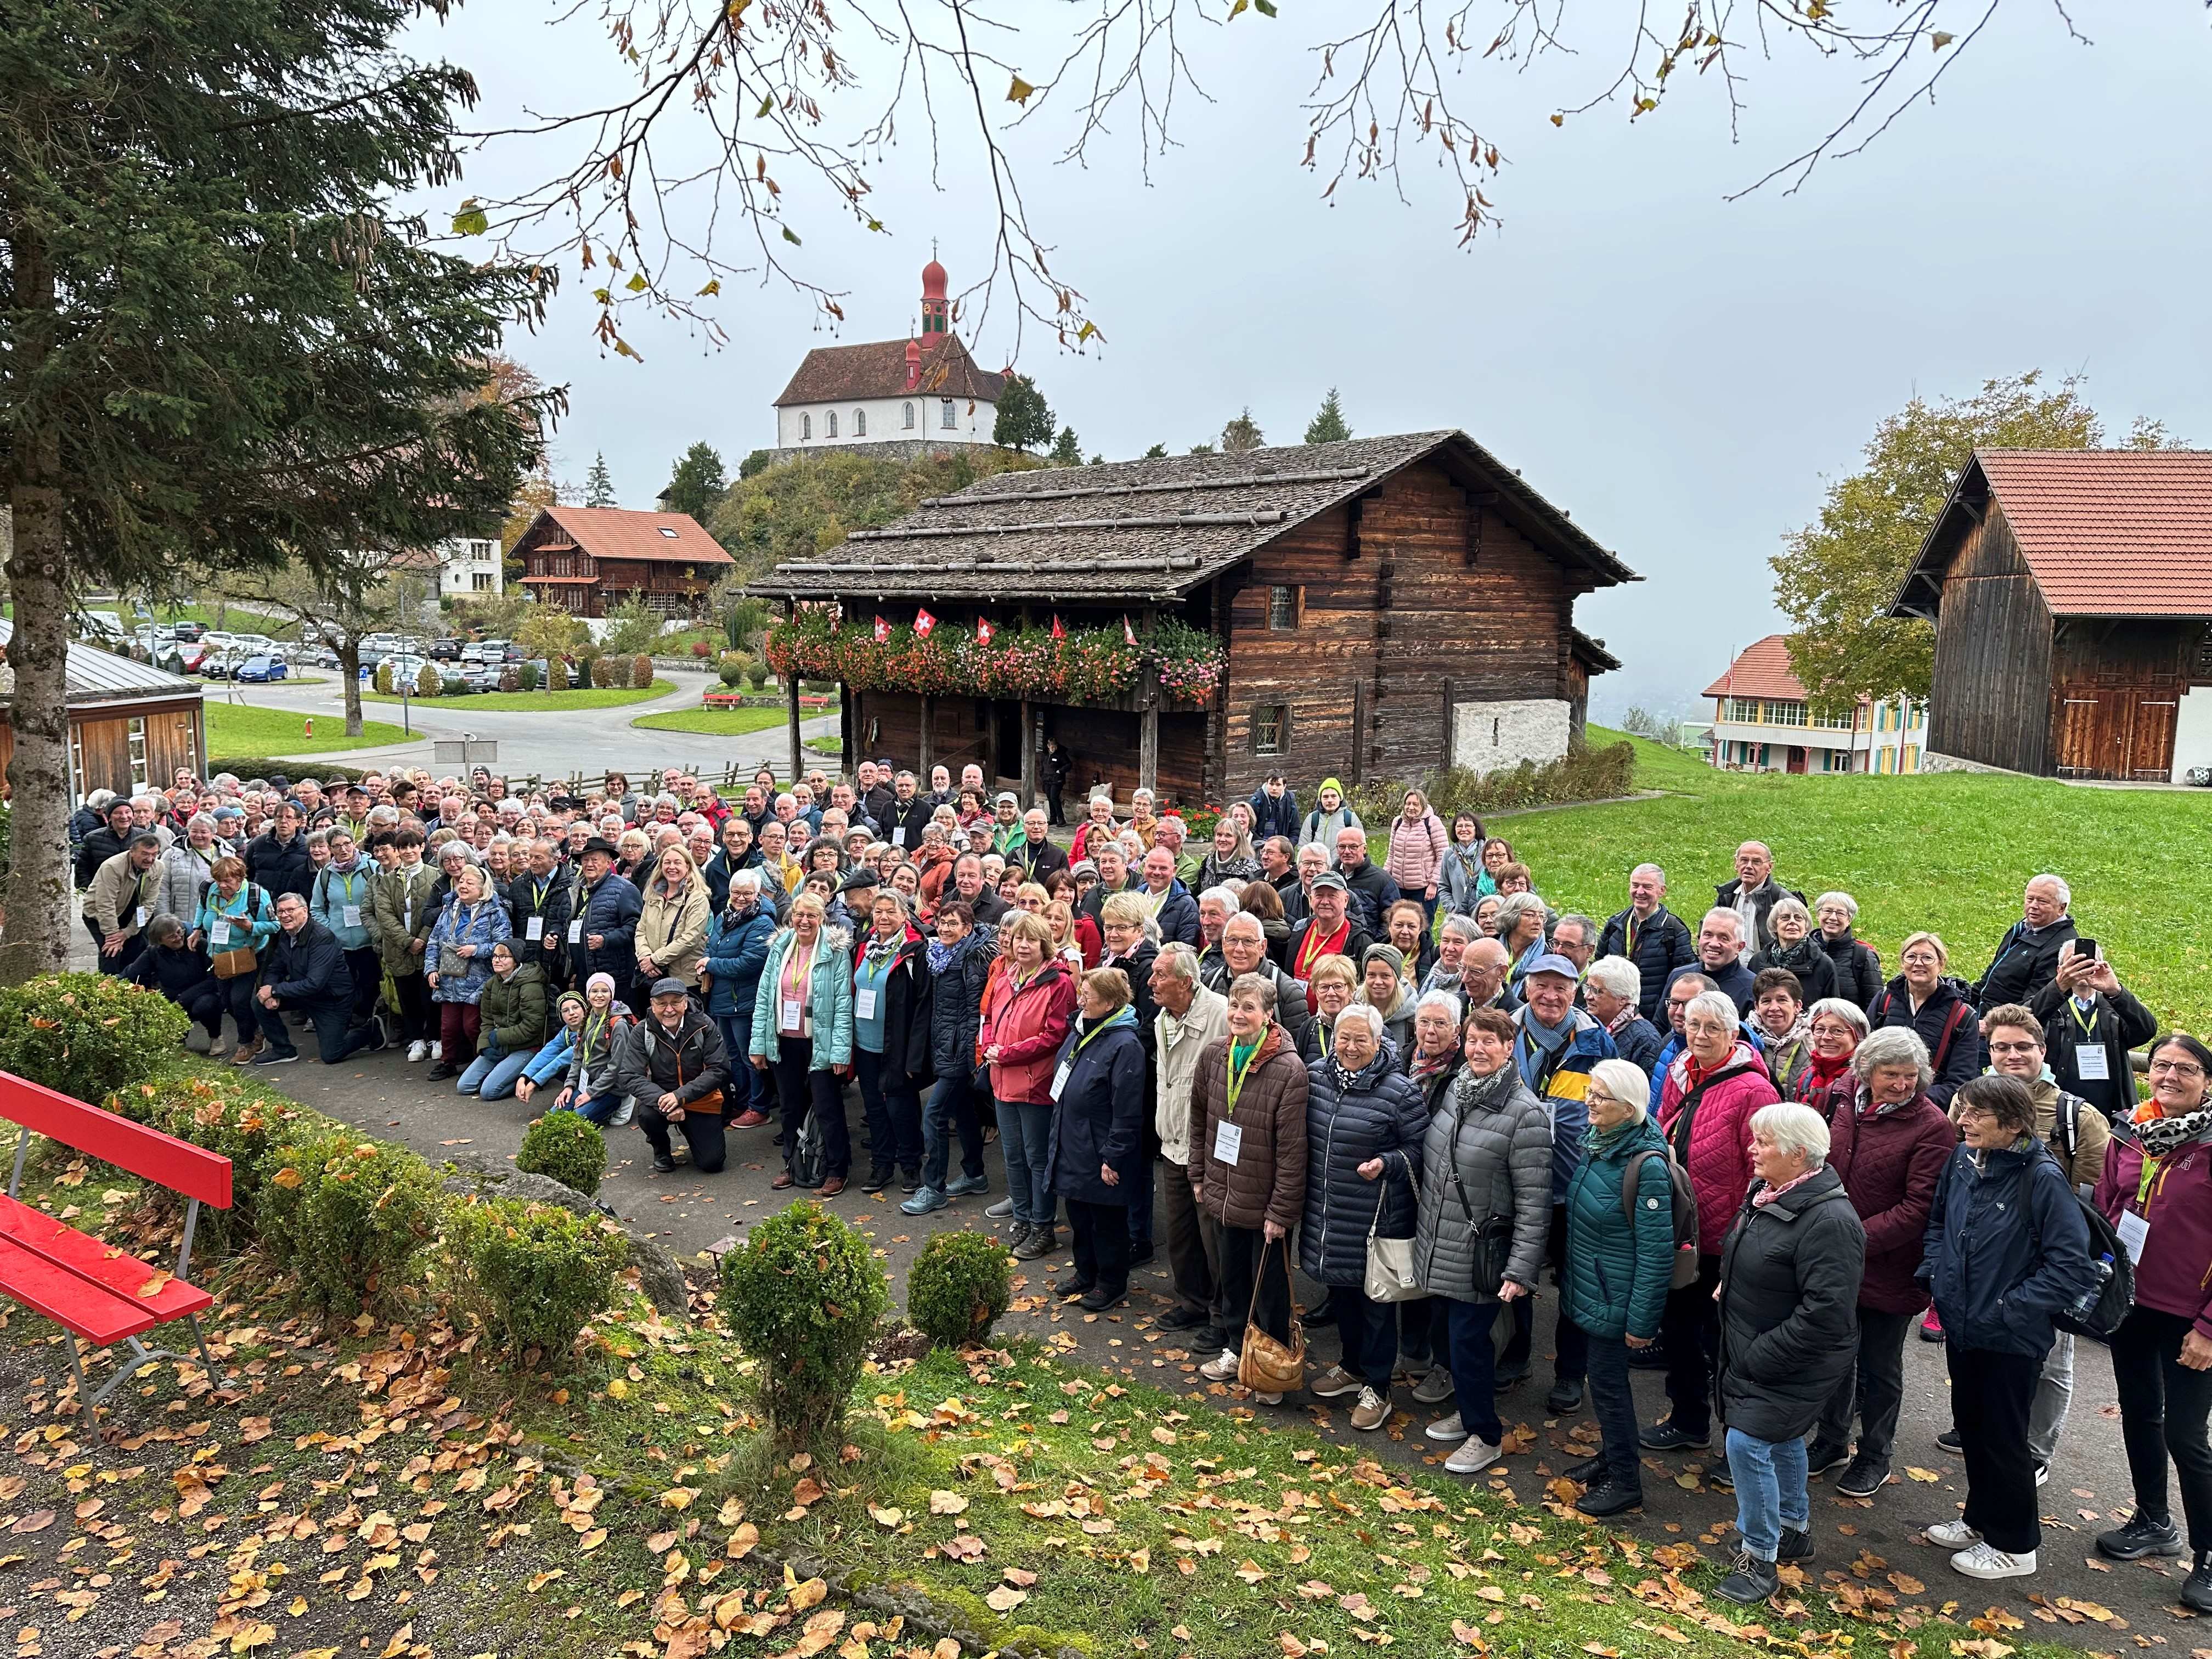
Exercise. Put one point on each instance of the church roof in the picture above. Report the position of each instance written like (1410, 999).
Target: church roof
(846, 373)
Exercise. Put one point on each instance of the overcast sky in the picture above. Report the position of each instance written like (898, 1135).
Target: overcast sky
(1680, 372)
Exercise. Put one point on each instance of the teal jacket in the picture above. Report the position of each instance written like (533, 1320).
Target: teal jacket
(1617, 1280)
(829, 999)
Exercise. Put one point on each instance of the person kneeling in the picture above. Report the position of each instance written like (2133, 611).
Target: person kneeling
(675, 1066)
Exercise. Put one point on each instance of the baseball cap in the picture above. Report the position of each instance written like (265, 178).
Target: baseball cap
(1330, 879)
(1552, 963)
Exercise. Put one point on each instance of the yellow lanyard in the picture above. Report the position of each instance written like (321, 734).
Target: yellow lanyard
(2143, 1184)
(2089, 1025)
(1239, 1073)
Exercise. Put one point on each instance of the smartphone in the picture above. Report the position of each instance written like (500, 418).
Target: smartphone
(2085, 948)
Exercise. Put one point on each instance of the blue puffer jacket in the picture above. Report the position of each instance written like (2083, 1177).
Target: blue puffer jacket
(2006, 1248)
(956, 1004)
(736, 947)
(1382, 1114)
(610, 910)
(462, 978)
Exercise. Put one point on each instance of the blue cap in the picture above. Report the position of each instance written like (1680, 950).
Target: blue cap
(1552, 963)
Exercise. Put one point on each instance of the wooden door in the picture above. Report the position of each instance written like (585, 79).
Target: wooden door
(2087, 732)
(1797, 761)
(2150, 738)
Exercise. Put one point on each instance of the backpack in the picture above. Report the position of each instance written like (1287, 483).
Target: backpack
(2115, 1295)
(1686, 1213)
(808, 1163)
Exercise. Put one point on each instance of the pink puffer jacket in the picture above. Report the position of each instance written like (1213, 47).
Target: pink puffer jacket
(1416, 860)
(1719, 1159)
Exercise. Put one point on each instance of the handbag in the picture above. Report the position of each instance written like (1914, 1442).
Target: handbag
(235, 962)
(1389, 1275)
(1267, 1366)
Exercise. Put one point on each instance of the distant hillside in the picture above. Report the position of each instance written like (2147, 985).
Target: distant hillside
(804, 505)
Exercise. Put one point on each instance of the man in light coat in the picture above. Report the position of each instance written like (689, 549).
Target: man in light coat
(1190, 1017)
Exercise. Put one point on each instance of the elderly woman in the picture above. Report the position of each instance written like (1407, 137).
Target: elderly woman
(1364, 1124)
(1924, 998)
(959, 960)
(1833, 1030)
(2157, 1182)
(171, 966)
(1231, 863)
(1795, 948)
(891, 1041)
(460, 964)
(1613, 990)
(1461, 877)
(1454, 934)
(1777, 1014)
(1432, 1059)
(1485, 915)
(1415, 860)
(2007, 1249)
(234, 916)
(1484, 1218)
(1858, 970)
(1097, 1143)
(1382, 988)
(188, 866)
(802, 1037)
(1521, 920)
(1712, 1088)
(1258, 900)
(1621, 1256)
(1025, 1020)
(1789, 1277)
(1406, 926)
(736, 947)
(1334, 986)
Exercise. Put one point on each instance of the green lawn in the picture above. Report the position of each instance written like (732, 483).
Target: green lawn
(1948, 851)
(237, 732)
(715, 722)
(541, 702)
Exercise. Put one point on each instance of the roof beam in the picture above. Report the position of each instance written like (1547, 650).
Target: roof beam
(1234, 481)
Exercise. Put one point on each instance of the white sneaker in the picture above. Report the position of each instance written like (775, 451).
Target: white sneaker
(2043, 1474)
(1953, 1534)
(1223, 1370)
(1268, 1398)
(437, 1051)
(1473, 1457)
(1986, 1560)
(417, 1050)
(1446, 1429)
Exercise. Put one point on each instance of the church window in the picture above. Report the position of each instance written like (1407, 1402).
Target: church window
(910, 416)
(829, 424)
(860, 423)
(805, 427)
(945, 413)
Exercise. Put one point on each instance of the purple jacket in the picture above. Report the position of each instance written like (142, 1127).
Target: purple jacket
(2175, 1273)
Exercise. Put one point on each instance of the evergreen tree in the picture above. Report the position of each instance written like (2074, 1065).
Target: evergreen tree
(1329, 426)
(1156, 452)
(1025, 420)
(225, 347)
(1067, 450)
(697, 483)
(1241, 433)
(600, 484)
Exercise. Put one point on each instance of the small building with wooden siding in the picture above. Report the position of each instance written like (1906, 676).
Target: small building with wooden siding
(130, 723)
(589, 560)
(1382, 607)
(2072, 593)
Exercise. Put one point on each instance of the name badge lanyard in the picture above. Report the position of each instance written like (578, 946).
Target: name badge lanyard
(1239, 1073)
(2089, 1025)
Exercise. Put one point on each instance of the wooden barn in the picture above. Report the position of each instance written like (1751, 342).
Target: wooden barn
(1374, 608)
(2071, 592)
(130, 723)
(589, 560)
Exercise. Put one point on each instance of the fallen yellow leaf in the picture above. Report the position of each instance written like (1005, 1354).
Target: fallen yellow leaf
(1004, 1598)
(946, 1502)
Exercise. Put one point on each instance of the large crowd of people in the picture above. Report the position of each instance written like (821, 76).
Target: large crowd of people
(1729, 1144)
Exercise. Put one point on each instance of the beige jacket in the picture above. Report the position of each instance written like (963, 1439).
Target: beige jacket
(673, 932)
(1180, 1043)
(112, 901)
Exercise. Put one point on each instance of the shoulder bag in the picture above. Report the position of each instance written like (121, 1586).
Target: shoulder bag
(1267, 1366)
(240, 960)
(1389, 1276)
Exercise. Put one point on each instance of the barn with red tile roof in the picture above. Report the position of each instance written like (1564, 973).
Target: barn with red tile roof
(2071, 594)
(588, 560)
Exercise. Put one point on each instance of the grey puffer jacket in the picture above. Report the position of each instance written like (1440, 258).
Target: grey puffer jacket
(1497, 1141)
(1380, 1115)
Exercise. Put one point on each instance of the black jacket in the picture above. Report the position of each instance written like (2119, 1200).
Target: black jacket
(2023, 964)
(1040, 859)
(1639, 1043)
(1137, 969)
(906, 990)
(1275, 817)
(278, 866)
(1807, 961)
(955, 1004)
(177, 974)
(2007, 1249)
(1764, 898)
(524, 903)
(1662, 945)
(306, 967)
(610, 910)
(913, 818)
(1857, 965)
(1956, 1058)
(1372, 893)
(1291, 1010)
(1734, 981)
(691, 1066)
(1789, 1307)
(2115, 1024)
(100, 844)
(1099, 1118)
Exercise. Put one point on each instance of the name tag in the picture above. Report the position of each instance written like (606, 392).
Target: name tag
(792, 1015)
(350, 913)
(576, 930)
(898, 836)
(219, 932)
(1228, 1143)
(864, 1003)
(140, 913)
(1060, 1079)
(2092, 1064)
(2133, 1231)
(533, 928)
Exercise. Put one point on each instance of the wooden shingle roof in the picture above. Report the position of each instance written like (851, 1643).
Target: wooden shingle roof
(1154, 528)
(877, 369)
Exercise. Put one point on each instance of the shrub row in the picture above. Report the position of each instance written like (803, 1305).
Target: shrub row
(1581, 774)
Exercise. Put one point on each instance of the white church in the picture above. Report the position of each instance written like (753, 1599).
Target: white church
(915, 394)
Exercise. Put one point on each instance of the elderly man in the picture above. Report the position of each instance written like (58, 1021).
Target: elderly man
(1373, 892)
(1721, 950)
(341, 899)
(2090, 1023)
(1036, 852)
(1243, 950)
(1172, 834)
(675, 1065)
(2027, 957)
(1279, 862)
(1297, 897)
(1650, 935)
(603, 914)
(304, 971)
(1611, 988)
(1753, 893)
(1192, 1017)
(121, 901)
(909, 813)
(1575, 938)
(1556, 1045)
(1171, 904)
(1331, 930)
(278, 859)
(1484, 970)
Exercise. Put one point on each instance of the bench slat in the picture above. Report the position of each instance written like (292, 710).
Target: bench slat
(148, 1153)
(115, 1275)
(97, 1316)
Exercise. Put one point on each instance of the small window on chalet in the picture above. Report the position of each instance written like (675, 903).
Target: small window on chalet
(1284, 607)
(908, 408)
(829, 424)
(669, 529)
(482, 579)
(805, 427)
(1271, 728)
(860, 423)
(944, 413)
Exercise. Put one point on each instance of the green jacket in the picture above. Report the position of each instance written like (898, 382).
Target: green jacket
(512, 1009)
(1617, 1280)
(399, 921)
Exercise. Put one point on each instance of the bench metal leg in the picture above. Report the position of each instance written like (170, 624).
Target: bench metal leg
(141, 1357)
(199, 1339)
(76, 1365)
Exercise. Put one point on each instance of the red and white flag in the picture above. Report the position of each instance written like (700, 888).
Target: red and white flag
(923, 622)
(1128, 633)
(1058, 632)
(984, 631)
(883, 630)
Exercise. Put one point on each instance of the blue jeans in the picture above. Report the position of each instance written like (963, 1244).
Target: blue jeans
(1369, 1331)
(1474, 1362)
(751, 1089)
(951, 1110)
(1770, 1491)
(491, 1076)
(599, 1109)
(1026, 1138)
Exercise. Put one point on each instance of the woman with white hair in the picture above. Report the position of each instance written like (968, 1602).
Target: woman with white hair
(1858, 968)
(188, 866)
(1795, 948)
(1789, 1284)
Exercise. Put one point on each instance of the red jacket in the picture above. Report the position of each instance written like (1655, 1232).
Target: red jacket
(1719, 1160)
(1890, 1165)
(2175, 1273)
(1027, 1026)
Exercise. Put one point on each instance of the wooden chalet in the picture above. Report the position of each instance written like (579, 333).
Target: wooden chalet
(2072, 592)
(130, 724)
(1378, 608)
(589, 560)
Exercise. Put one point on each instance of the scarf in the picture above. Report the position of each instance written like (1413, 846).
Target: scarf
(1766, 1195)
(940, 953)
(880, 951)
(1820, 1072)
(1483, 1093)
(1599, 1143)
(2159, 1135)
(1426, 1066)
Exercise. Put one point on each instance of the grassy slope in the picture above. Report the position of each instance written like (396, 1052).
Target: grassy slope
(717, 722)
(238, 731)
(540, 702)
(1949, 852)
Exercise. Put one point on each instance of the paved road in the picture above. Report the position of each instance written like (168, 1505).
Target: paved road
(2088, 1491)
(550, 744)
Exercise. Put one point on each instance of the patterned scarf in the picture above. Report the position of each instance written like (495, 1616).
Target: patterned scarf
(2159, 1135)
(1484, 1093)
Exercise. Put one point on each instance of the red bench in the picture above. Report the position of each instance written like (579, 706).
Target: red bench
(89, 1288)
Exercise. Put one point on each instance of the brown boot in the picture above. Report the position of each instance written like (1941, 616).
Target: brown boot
(240, 1055)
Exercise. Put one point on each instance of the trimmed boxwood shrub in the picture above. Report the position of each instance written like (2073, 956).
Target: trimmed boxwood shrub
(959, 1288)
(429, 681)
(640, 671)
(382, 679)
(757, 676)
(540, 1271)
(803, 1296)
(565, 1148)
(86, 1034)
(525, 676)
(349, 1217)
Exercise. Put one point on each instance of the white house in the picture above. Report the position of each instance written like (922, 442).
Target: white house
(470, 568)
(921, 393)
(1763, 722)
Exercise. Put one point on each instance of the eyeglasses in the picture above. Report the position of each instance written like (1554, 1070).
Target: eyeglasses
(1595, 1095)
(2177, 1068)
(2015, 1048)
(1966, 1112)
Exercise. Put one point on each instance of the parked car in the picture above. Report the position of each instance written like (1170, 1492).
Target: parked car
(260, 670)
(448, 650)
(405, 666)
(189, 630)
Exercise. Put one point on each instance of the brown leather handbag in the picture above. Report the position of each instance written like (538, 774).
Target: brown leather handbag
(1265, 1365)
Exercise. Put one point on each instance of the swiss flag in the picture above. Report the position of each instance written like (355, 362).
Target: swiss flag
(982, 632)
(1128, 633)
(923, 622)
(1058, 632)
(883, 630)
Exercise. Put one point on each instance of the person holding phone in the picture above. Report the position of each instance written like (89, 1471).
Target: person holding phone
(2091, 1022)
